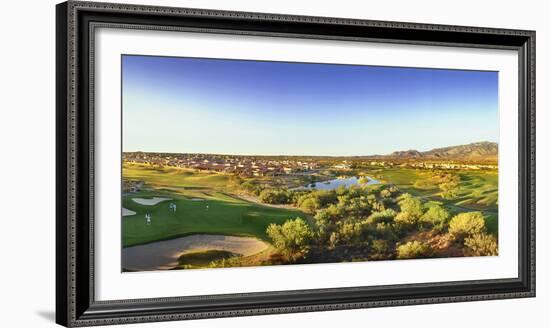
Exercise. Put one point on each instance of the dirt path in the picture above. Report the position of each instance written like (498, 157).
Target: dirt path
(163, 255)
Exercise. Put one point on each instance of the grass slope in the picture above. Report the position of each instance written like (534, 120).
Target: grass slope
(217, 213)
(478, 190)
(171, 177)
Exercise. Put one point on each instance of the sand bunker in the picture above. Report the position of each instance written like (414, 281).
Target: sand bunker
(127, 212)
(150, 201)
(163, 255)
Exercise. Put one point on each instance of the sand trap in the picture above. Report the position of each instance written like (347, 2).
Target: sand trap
(150, 201)
(127, 212)
(163, 255)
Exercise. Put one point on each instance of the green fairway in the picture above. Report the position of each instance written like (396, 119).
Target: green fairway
(174, 178)
(478, 190)
(215, 213)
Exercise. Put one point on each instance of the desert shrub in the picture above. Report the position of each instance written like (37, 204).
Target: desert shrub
(377, 205)
(341, 190)
(202, 258)
(387, 202)
(435, 215)
(251, 187)
(324, 197)
(308, 205)
(322, 222)
(412, 250)
(411, 210)
(275, 196)
(334, 239)
(292, 238)
(383, 216)
(449, 186)
(405, 220)
(481, 244)
(380, 250)
(386, 193)
(226, 263)
(350, 234)
(316, 199)
(466, 224)
(386, 231)
(275, 259)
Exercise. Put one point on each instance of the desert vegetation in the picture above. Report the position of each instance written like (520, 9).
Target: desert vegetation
(379, 223)
(357, 211)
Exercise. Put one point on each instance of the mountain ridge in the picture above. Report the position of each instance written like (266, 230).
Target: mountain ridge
(484, 150)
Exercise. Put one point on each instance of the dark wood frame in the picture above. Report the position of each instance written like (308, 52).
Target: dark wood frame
(75, 303)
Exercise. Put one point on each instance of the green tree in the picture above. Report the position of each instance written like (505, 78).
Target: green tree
(349, 234)
(292, 238)
(316, 199)
(466, 224)
(322, 221)
(435, 215)
(308, 205)
(411, 205)
(411, 210)
(325, 197)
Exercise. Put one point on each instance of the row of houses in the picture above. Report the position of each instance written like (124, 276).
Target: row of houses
(242, 165)
(435, 165)
(452, 166)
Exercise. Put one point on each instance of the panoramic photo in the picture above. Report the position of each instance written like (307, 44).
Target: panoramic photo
(236, 163)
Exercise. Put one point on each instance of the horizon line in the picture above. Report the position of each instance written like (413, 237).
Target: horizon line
(304, 155)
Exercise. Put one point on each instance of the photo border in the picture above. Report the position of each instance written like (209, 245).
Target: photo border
(75, 28)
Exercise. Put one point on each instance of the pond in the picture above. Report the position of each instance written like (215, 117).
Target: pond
(335, 183)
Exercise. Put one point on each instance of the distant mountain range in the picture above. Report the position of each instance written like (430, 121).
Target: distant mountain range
(477, 151)
(481, 152)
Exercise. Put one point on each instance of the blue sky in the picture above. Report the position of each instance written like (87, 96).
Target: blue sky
(194, 105)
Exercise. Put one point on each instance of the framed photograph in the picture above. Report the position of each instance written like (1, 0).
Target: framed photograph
(215, 163)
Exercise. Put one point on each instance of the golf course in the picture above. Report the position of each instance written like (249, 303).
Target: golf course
(238, 163)
(184, 218)
(202, 207)
(475, 190)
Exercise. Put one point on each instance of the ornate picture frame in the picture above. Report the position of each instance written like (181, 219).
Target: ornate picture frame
(76, 302)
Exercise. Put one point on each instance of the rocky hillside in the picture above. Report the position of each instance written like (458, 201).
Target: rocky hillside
(478, 151)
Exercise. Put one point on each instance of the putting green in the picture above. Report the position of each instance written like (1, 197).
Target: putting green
(217, 214)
